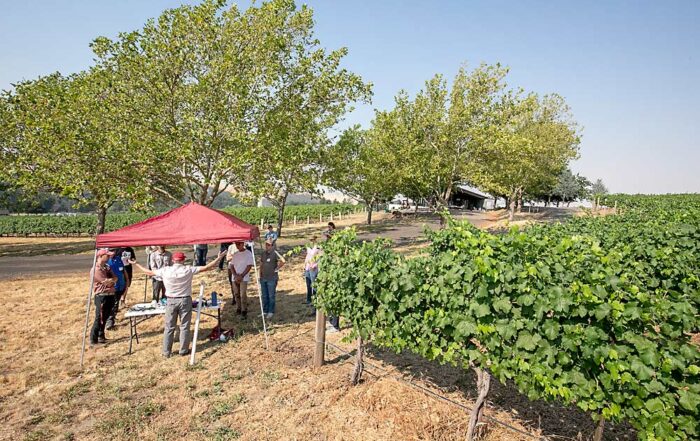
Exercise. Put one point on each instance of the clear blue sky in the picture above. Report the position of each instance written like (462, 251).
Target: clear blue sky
(630, 70)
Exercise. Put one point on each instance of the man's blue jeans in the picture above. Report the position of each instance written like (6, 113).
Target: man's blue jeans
(269, 290)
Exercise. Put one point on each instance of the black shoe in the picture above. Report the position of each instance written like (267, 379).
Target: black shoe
(244, 314)
(238, 312)
(101, 340)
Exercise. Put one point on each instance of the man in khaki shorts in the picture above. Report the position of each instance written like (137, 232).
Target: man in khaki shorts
(240, 264)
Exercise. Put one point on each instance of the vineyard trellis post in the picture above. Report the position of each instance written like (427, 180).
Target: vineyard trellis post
(320, 337)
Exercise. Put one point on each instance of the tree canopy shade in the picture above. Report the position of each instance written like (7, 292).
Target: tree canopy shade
(187, 225)
(61, 134)
(360, 166)
(203, 99)
(440, 133)
(228, 99)
(531, 146)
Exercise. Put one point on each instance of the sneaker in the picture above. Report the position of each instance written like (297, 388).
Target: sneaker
(182, 354)
(101, 340)
(244, 314)
(238, 312)
(332, 330)
(269, 315)
(168, 355)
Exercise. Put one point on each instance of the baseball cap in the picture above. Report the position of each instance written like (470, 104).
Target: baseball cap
(104, 252)
(178, 256)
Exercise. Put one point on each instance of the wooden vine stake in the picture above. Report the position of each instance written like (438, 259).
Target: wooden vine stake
(598, 434)
(356, 375)
(320, 349)
(483, 381)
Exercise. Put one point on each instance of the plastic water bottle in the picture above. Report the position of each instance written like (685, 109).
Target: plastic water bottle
(214, 301)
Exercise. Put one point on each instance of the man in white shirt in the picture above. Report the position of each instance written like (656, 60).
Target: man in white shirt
(178, 289)
(240, 264)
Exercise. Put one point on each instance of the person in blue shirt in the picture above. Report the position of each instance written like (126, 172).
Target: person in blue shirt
(271, 234)
(116, 264)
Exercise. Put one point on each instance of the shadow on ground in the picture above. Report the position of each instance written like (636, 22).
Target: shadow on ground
(553, 419)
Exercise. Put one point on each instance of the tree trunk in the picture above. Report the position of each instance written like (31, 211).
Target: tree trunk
(101, 219)
(519, 204)
(356, 375)
(511, 207)
(369, 213)
(280, 213)
(598, 434)
(483, 381)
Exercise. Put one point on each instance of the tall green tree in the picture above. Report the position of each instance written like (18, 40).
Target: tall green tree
(312, 94)
(58, 134)
(361, 167)
(441, 133)
(532, 144)
(229, 99)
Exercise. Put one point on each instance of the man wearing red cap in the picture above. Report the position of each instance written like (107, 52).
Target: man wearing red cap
(103, 288)
(178, 289)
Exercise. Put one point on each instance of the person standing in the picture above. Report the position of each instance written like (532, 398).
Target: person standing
(311, 268)
(150, 249)
(158, 259)
(270, 263)
(127, 254)
(178, 287)
(200, 252)
(223, 248)
(120, 288)
(271, 234)
(240, 264)
(329, 231)
(103, 289)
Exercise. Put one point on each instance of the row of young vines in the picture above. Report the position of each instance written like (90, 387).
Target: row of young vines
(597, 312)
(86, 224)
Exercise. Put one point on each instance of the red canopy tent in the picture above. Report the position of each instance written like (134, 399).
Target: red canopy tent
(187, 225)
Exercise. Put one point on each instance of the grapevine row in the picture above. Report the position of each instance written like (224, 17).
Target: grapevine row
(595, 312)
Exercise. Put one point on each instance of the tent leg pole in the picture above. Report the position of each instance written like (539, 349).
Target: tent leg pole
(87, 309)
(257, 279)
(196, 323)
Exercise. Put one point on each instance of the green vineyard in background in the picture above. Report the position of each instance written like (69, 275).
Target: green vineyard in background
(86, 224)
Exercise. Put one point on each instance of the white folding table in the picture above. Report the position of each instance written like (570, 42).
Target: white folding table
(141, 312)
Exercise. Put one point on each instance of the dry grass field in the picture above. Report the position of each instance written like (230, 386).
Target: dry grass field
(237, 389)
